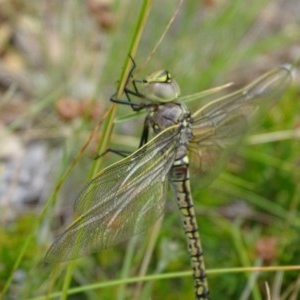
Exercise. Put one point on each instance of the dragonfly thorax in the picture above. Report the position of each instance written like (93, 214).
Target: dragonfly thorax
(163, 116)
(168, 115)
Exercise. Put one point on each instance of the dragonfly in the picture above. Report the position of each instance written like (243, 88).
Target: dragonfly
(127, 197)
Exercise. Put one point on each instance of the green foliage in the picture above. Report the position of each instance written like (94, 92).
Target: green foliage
(257, 196)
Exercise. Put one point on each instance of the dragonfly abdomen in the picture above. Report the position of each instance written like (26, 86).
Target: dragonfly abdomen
(179, 177)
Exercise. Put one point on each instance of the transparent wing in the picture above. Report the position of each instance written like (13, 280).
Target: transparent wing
(219, 125)
(123, 200)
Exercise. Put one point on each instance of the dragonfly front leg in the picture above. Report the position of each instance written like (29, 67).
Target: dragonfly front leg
(181, 184)
(136, 106)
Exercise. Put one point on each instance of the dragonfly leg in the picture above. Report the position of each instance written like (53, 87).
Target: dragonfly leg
(122, 153)
(145, 133)
(136, 106)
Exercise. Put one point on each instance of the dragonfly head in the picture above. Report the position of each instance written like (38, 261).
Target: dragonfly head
(160, 87)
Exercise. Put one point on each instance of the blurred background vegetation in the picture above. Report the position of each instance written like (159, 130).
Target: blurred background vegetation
(59, 64)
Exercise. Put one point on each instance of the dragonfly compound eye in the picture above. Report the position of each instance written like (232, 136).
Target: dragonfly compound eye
(161, 87)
